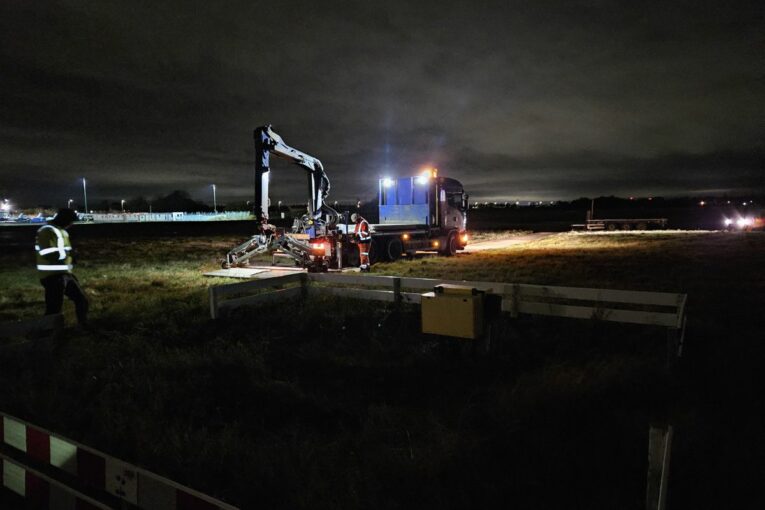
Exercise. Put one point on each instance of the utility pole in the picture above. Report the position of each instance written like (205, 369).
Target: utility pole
(85, 194)
(215, 200)
(123, 205)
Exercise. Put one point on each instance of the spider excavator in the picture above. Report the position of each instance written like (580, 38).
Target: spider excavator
(314, 241)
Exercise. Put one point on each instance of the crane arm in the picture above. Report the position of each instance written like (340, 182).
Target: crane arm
(267, 142)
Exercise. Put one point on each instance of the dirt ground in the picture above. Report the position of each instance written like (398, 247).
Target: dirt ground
(507, 242)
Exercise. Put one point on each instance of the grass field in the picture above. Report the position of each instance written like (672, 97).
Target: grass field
(335, 404)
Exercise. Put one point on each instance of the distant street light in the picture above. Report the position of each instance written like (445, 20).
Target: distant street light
(123, 205)
(69, 203)
(85, 194)
(5, 206)
(215, 200)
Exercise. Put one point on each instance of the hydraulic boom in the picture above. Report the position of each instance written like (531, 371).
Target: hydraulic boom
(267, 142)
(319, 220)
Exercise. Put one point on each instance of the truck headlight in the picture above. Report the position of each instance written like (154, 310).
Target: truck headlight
(728, 222)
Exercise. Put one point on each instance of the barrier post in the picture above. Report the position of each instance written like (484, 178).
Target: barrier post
(659, 450)
(213, 303)
(397, 290)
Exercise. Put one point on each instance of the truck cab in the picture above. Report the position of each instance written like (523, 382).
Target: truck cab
(421, 213)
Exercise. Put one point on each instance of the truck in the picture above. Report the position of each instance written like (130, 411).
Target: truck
(612, 224)
(426, 212)
(744, 222)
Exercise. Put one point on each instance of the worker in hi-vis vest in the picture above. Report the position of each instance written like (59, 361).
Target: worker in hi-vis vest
(363, 238)
(55, 263)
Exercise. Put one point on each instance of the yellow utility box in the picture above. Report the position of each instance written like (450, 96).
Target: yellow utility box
(453, 310)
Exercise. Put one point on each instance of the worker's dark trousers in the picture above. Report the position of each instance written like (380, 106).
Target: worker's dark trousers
(59, 285)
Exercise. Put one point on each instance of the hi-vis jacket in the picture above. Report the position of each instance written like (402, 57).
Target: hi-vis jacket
(362, 231)
(54, 251)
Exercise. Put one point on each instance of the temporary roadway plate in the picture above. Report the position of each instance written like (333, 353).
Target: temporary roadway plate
(237, 272)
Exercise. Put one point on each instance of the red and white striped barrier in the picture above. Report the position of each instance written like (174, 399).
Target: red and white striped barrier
(92, 469)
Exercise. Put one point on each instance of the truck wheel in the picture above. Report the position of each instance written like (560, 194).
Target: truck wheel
(626, 226)
(394, 249)
(450, 249)
(642, 226)
(611, 226)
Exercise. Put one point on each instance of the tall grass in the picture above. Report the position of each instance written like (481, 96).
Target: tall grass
(336, 404)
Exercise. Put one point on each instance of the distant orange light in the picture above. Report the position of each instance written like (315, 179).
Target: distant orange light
(435, 244)
(317, 246)
(405, 237)
(464, 238)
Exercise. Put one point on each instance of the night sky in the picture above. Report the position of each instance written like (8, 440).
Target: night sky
(518, 100)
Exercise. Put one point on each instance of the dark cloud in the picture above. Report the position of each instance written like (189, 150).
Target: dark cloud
(516, 99)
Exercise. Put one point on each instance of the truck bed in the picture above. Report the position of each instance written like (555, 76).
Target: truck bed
(387, 228)
(624, 223)
(382, 228)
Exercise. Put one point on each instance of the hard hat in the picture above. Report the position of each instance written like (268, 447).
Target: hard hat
(354, 217)
(64, 217)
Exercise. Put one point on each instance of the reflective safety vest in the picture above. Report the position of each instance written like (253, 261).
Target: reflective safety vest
(54, 251)
(362, 231)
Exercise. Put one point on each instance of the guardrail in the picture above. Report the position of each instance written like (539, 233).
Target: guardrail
(624, 306)
(50, 471)
(227, 297)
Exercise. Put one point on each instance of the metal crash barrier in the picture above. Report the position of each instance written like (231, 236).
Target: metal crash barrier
(661, 309)
(623, 306)
(45, 470)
